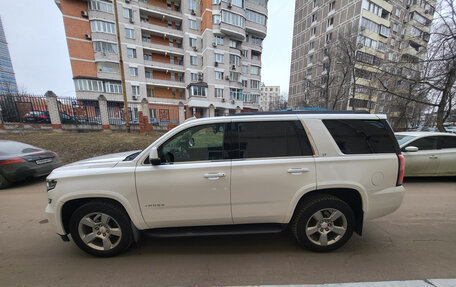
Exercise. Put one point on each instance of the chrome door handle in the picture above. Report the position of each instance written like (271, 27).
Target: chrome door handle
(297, 171)
(433, 157)
(214, 176)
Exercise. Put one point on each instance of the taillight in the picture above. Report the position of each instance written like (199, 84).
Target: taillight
(400, 175)
(11, 161)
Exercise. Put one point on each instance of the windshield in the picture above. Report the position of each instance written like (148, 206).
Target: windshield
(401, 139)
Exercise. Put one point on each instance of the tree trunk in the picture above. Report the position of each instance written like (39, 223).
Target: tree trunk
(446, 93)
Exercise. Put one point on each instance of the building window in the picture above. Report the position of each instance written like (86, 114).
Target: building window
(148, 57)
(192, 24)
(245, 53)
(218, 75)
(103, 26)
(332, 6)
(88, 85)
(236, 94)
(131, 53)
(135, 90)
(235, 77)
(312, 45)
(218, 93)
(192, 4)
(254, 84)
(194, 60)
(216, 19)
(149, 74)
(101, 6)
(245, 69)
(244, 83)
(315, 3)
(127, 13)
(328, 37)
(313, 31)
(398, 12)
(314, 17)
(133, 71)
(129, 33)
(192, 42)
(233, 19)
(218, 40)
(235, 60)
(194, 77)
(219, 58)
(254, 70)
(105, 47)
(330, 21)
(235, 44)
(198, 91)
(257, 41)
(255, 17)
(395, 28)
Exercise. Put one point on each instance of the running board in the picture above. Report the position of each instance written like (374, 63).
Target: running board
(216, 230)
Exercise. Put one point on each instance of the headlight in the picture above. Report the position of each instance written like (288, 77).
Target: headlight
(50, 184)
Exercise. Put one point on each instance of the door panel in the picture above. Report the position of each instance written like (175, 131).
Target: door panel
(425, 161)
(447, 155)
(185, 194)
(262, 189)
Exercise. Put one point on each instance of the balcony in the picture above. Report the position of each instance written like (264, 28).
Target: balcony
(164, 66)
(163, 48)
(255, 28)
(103, 37)
(162, 30)
(160, 11)
(423, 12)
(235, 32)
(106, 57)
(256, 8)
(165, 83)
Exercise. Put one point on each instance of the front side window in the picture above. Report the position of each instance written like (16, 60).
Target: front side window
(272, 139)
(426, 143)
(448, 142)
(201, 143)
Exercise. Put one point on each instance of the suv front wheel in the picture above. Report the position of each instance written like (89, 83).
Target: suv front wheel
(323, 223)
(101, 229)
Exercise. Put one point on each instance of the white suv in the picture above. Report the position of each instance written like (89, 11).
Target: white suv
(321, 174)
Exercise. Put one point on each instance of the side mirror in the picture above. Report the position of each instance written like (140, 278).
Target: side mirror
(154, 159)
(411, 149)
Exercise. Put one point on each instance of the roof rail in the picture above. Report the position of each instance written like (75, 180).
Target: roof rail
(300, 112)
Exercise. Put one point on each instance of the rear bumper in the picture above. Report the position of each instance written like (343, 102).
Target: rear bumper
(384, 202)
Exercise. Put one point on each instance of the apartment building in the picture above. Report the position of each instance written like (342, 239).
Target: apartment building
(184, 57)
(269, 98)
(7, 78)
(380, 32)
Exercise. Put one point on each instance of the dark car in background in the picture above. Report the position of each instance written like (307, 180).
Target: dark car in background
(20, 161)
(37, 117)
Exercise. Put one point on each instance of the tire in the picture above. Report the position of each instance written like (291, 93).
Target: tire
(101, 229)
(4, 183)
(323, 223)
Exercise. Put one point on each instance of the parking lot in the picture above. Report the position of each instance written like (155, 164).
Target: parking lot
(415, 242)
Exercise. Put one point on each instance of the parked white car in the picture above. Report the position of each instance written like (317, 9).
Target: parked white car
(322, 175)
(428, 153)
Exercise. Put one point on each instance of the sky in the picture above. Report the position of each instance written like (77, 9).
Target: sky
(37, 45)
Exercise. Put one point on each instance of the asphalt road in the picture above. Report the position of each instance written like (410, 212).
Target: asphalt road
(416, 242)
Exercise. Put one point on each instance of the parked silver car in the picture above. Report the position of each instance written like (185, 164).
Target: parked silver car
(19, 161)
(428, 153)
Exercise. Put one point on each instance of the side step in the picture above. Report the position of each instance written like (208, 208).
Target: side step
(216, 230)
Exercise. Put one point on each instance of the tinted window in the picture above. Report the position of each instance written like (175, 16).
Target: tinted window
(401, 139)
(448, 142)
(198, 143)
(362, 136)
(426, 143)
(273, 139)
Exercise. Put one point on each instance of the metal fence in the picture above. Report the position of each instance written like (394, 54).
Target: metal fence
(116, 113)
(17, 108)
(73, 111)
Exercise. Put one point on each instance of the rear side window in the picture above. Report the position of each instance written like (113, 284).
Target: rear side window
(272, 139)
(362, 136)
(448, 142)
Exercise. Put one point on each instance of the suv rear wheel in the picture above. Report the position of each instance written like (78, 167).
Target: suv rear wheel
(101, 229)
(323, 223)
